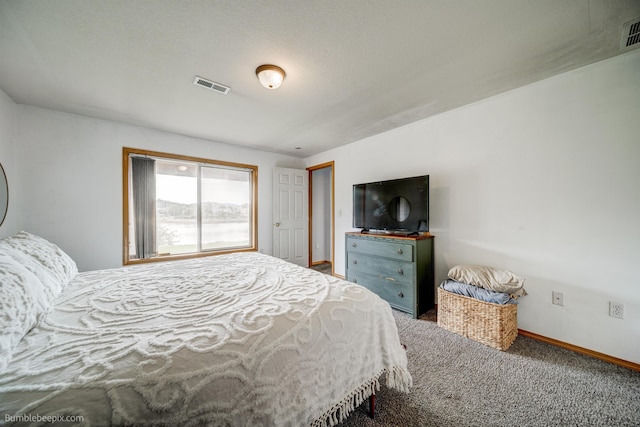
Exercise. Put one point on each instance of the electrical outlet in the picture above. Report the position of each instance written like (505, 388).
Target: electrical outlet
(616, 309)
(557, 298)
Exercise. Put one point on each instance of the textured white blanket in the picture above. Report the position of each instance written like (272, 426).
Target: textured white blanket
(239, 339)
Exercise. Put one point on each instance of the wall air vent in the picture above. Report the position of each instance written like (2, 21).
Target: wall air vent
(630, 34)
(216, 87)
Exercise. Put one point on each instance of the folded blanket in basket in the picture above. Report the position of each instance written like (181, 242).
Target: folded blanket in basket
(477, 293)
(489, 278)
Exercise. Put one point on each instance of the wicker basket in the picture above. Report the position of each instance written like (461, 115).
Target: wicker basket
(495, 325)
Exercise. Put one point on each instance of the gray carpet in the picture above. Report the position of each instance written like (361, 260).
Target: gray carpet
(458, 382)
(325, 268)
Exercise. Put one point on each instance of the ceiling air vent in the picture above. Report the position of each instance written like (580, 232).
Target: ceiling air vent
(630, 34)
(216, 87)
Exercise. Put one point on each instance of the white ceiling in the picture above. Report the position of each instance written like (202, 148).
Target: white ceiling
(354, 68)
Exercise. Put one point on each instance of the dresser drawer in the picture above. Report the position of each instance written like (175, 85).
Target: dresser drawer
(387, 269)
(393, 250)
(398, 295)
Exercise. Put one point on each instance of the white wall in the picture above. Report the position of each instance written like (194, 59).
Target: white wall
(544, 181)
(71, 170)
(8, 114)
(321, 215)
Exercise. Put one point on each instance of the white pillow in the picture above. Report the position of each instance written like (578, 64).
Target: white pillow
(23, 303)
(489, 278)
(51, 285)
(47, 261)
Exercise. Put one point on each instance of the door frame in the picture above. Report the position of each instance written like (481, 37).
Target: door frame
(310, 169)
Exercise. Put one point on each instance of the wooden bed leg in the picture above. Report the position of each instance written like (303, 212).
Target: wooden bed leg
(372, 405)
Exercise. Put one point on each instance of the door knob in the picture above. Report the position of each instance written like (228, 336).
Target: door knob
(277, 224)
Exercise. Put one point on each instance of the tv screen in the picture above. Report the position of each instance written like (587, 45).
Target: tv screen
(393, 205)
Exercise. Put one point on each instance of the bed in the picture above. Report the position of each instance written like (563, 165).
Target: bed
(236, 339)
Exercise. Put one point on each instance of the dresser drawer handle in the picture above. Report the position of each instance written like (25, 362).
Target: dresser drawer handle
(400, 272)
(355, 280)
(354, 245)
(400, 294)
(400, 251)
(355, 261)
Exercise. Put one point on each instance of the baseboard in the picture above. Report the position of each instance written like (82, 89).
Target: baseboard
(581, 350)
(601, 356)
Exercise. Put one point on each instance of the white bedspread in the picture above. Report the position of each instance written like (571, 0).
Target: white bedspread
(239, 339)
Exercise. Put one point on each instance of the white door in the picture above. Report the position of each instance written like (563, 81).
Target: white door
(291, 215)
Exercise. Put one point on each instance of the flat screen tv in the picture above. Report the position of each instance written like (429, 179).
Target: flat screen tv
(398, 205)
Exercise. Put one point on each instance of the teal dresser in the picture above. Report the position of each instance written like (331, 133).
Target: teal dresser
(397, 268)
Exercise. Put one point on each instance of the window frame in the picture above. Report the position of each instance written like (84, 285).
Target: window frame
(127, 152)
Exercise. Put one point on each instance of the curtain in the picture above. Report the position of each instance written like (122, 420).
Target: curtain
(143, 177)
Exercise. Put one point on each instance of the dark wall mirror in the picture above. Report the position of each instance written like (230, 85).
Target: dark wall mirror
(4, 195)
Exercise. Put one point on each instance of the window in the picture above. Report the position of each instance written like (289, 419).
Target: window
(182, 207)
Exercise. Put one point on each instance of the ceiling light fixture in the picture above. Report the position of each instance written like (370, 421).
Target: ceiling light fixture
(270, 76)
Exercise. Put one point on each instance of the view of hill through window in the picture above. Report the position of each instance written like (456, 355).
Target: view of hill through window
(224, 208)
